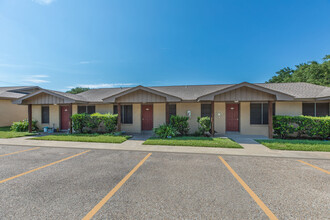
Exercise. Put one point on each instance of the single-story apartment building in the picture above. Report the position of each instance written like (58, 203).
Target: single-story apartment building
(10, 112)
(246, 108)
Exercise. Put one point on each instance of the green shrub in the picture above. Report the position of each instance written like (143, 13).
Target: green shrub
(109, 121)
(79, 122)
(23, 126)
(204, 124)
(83, 123)
(313, 127)
(180, 124)
(165, 131)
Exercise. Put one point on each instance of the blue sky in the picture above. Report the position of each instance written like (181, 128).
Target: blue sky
(58, 44)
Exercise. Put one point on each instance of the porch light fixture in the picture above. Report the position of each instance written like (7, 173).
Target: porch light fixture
(236, 101)
(189, 113)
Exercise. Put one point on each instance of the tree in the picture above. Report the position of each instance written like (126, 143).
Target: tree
(310, 72)
(77, 90)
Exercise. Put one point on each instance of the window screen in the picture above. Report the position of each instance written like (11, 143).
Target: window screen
(259, 113)
(45, 115)
(206, 110)
(309, 109)
(172, 109)
(255, 113)
(322, 109)
(126, 113)
(89, 109)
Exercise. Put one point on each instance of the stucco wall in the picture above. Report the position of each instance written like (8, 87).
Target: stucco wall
(54, 116)
(245, 126)
(220, 117)
(195, 108)
(159, 114)
(74, 109)
(288, 108)
(10, 112)
(104, 108)
(136, 126)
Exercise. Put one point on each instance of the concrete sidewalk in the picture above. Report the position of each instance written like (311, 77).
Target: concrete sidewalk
(251, 148)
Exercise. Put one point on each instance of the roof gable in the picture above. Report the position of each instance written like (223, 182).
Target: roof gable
(167, 97)
(278, 95)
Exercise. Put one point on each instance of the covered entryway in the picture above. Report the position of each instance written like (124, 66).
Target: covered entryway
(147, 117)
(232, 117)
(65, 117)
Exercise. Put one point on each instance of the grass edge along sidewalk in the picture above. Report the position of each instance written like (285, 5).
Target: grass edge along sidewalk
(5, 132)
(296, 145)
(194, 142)
(95, 138)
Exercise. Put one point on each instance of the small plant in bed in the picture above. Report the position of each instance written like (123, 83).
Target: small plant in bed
(98, 138)
(296, 144)
(193, 141)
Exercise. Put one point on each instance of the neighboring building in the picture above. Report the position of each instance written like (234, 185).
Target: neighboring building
(10, 112)
(246, 108)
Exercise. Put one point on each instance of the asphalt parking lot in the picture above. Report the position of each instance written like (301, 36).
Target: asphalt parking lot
(64, 183)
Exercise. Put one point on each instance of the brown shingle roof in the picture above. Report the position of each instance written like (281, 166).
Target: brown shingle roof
(15, 92)
(193, 92)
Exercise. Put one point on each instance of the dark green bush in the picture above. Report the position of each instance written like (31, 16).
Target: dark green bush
(79, 122)
(313, 127)
(22, 126)
(165, 131)
(180, 124)
(109, 121)
(204, 125)
(83, 123)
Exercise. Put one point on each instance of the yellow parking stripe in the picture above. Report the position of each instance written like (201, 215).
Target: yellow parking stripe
(39, 168)
(249, 190)
(114, 190)
(19, 151)
(323, 170)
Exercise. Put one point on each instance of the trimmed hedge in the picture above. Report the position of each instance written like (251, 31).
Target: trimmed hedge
(298, 126)
(85, 123)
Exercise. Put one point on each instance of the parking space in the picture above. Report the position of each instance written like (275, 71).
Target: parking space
(163, 186)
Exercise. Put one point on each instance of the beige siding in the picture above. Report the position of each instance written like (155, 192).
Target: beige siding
(54, 116)
(10, 112)
(288, 108)
(44, 99)
(245, 126)
(136, 126)
(74, 109)
(244, 94)
(220, 117)
(104, 108)
(159, 114)
(195, 108)
(140, 96)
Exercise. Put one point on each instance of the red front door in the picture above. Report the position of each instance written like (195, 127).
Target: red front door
(147, 117)
(232, 117)
(65, 117)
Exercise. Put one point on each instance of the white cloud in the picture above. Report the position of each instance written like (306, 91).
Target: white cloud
(44, 2)
(39, 76)
(36, 81)
(88, 61)
(103, 85)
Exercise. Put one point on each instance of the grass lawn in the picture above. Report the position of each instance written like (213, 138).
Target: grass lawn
(5, 132)
(99, 138)
(301, 145)
(194, 141)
